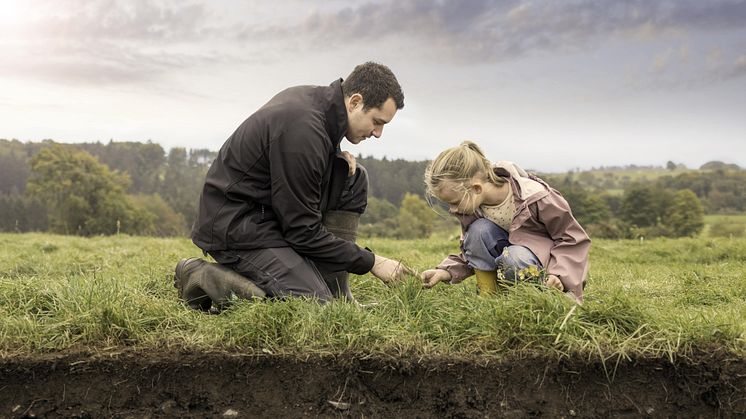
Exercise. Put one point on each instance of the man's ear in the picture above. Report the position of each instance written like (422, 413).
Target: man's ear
(356, 100)
(477, 187)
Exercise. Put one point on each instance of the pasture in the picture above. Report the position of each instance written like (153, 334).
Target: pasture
(660, 312)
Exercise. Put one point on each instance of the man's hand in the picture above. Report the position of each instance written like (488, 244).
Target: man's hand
(431, 277)
(389, 270)
(554, 282)
(350, 162)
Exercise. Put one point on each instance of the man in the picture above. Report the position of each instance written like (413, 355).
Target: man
(281, 202)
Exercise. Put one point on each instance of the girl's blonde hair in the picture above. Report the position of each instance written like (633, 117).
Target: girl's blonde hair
(459, 164)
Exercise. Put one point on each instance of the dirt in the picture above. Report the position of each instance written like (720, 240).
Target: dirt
(154, 385)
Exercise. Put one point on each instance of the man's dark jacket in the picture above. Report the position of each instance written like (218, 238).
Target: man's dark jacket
(270, 181)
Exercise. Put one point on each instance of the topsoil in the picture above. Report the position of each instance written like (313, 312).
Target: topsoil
(188, 385)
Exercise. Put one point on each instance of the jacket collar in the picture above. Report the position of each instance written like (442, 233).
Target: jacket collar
(528, 188)
(335, 113)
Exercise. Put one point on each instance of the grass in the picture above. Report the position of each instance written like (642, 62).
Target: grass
(734, 222)
(669, 298)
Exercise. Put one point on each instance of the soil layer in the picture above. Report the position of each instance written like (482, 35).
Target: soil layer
(135, 385)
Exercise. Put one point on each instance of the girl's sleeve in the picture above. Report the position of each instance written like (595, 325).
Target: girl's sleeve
(568, 258)
(457, 266)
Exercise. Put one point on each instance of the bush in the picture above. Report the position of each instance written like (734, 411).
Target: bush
(157, 217)
(686, 215)
(415, 218)
(606, 230)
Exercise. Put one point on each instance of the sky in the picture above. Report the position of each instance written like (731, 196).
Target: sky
(551, 85)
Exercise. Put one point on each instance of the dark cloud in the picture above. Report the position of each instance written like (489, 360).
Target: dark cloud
(118, 41)
(493, 30)
(708, 14)
(729, 70)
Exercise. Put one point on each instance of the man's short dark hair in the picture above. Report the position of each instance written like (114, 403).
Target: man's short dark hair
(376, 83)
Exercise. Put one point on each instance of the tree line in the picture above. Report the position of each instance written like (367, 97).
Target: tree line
(669, 205)
(95, 188)
(139, 188)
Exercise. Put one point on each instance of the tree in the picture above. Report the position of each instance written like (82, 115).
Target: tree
(596, 210)
(663, 200)
(686, 215)
(718, 165)
(638, 206)
(183, 180)
(160, 219)
(19, 213)
(392, 179)
(13, 167)
(81, 194)
(415, 218)
(380, 219)
(586, 207)
(143, 162)
(379, 211)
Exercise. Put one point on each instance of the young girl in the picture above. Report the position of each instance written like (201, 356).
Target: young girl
(512, 223)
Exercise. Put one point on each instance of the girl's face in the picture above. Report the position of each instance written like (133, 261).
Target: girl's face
(461, 198)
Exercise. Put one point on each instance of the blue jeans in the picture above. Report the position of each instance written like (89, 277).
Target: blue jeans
(487, 248)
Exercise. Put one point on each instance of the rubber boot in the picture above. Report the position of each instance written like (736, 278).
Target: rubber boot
(342, 224)
(210, 286)
(486, 282)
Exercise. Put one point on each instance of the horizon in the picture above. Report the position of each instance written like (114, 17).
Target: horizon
(547, 85)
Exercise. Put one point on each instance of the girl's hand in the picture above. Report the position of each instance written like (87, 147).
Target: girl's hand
(389, 270)
(554, 282)
(431, 277)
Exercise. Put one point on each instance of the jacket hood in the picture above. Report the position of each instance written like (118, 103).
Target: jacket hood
(528, 188)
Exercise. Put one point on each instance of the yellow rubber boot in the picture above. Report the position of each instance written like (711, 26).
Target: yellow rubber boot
(486, 282)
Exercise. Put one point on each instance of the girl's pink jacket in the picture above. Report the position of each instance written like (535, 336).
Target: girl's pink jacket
(542, 222)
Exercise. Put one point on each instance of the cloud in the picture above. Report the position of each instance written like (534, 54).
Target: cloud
(118, 41)
(105, 64)
(736, 69)
(107, 42)
(493, 30)
(671, 72)
(140, 20)
(662, 61)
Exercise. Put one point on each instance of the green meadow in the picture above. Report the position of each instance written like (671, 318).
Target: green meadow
(656, 298)
(725, 225)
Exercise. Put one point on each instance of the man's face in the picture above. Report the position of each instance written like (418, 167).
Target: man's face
(363, 124)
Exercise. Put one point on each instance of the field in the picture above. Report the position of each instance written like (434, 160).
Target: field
(736, 225)
(91, 327)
